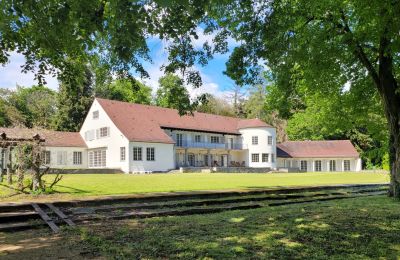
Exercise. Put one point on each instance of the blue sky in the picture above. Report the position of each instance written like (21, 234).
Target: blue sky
(214, 81)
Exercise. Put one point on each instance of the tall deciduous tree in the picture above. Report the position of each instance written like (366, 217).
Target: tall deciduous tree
(75, 96)
(172, 93)
(332, 42)
(216, 106)
(50, 33)
(126, 90)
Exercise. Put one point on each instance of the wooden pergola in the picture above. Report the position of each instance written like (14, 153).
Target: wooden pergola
(6, 146)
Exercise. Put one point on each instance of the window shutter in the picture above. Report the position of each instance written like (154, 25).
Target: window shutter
(108, 131)
(97, 133)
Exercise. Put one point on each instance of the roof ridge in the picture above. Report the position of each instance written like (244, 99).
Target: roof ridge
(173, 109)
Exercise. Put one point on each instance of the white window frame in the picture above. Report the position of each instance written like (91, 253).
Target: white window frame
(214, 139)
(318, 166)
(77, 158)
(332, 165)
(150, 154)
(137, 153)
(254, 140)
(104, 132)
(179, 140)
(197, 138)
(122, 153)
(95, 115)
(269, 140)
(346, 165)
(265, 157)
(97, 158)
(46, 157)
(303, 165)
(255, 157)
(62, 158)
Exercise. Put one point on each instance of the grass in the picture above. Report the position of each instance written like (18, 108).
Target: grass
(82, 185)
(359, 228)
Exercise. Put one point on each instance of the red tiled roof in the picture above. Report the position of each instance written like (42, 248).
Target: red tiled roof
(52, 138)
(316, 149)
(144, 123)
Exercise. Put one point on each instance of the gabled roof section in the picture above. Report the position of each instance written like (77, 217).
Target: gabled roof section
(144, 123)
(52, 138)
(317, 149)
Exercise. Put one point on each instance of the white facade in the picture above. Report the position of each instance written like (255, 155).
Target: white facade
(112, 142)
(261, 143)
(67, 157)
(321, 164)
(107, 147)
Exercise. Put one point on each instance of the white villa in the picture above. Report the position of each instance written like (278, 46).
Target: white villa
(142, 138)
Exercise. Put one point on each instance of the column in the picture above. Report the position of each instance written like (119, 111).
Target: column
(228, 163)
(185, 160)
(209, 158)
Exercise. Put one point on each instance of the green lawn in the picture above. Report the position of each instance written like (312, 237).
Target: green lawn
(79, 185)
(359, 228)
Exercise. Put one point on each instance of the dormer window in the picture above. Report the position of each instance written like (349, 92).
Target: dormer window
(96, 114)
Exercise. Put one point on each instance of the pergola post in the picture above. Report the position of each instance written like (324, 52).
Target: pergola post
(9, 166)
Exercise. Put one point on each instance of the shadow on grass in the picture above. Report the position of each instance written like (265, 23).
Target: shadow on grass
(72, 190)
(360, 228)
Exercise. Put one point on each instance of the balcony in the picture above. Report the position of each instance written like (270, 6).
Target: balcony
(207, 145)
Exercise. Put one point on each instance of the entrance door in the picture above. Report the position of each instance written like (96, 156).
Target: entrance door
(191, 160)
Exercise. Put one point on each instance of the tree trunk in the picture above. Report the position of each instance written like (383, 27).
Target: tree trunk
(9, 167)
(390, 94)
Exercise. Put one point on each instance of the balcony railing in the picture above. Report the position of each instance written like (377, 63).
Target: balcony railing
(207, 145)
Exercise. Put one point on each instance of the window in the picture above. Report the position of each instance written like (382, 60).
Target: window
(332, 165)
(46, 157)
(255, 157)
(150, 154)
(137, 153)
(272, 157)
(264, 157)
(346, 165)
(61, 158)
(269, 140)
(96, 114)
(197, 138)
(89, 135)
(215, 139)
(254, 140)
(122, 154)
(318, 166)
(77, 158)
(104, 132)
(97, 158)
(179, 140)
(303, 166)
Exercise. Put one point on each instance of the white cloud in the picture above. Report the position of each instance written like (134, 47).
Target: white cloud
(11, 75)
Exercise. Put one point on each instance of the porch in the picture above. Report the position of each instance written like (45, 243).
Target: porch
(209, 158)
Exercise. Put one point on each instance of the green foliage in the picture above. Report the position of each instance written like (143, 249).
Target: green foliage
(173, 94)
(75, 96)
(112, 33)
(216, 106)
(126, 90)
(29, 106)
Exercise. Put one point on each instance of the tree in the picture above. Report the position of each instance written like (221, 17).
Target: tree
(126, 90)
(173, 94)
(331, 42)
(51, 33)
(37, 104)
(256, 107)
(75, 96)
(216, 106)
(236, 94)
